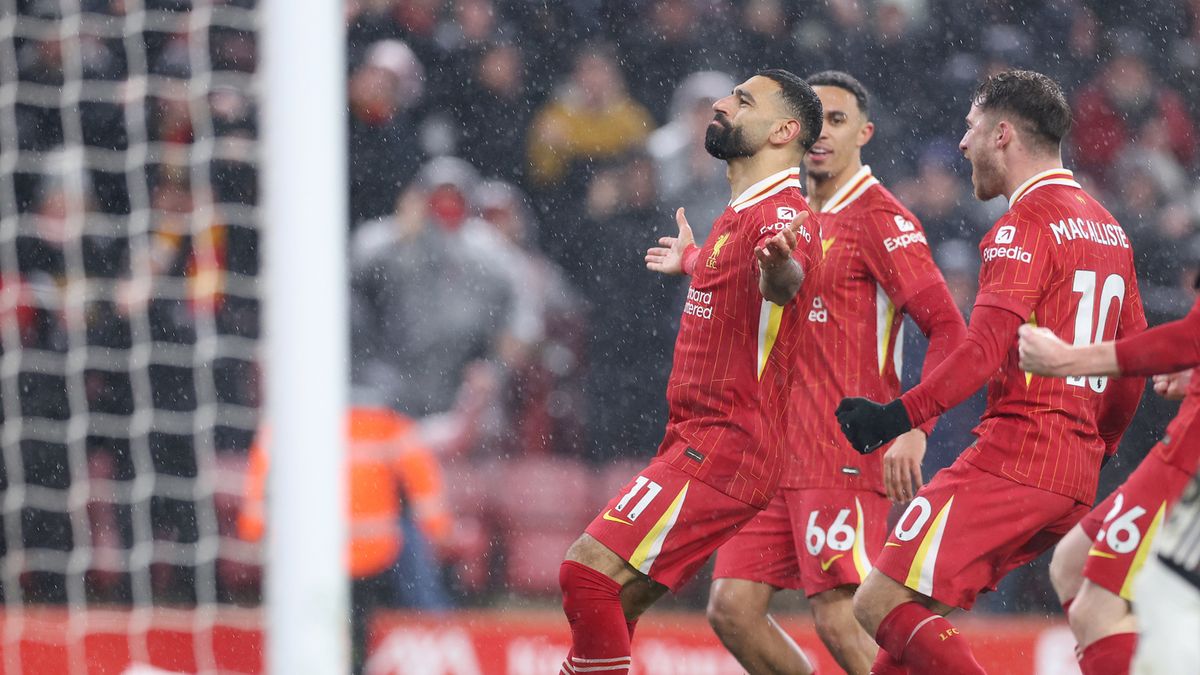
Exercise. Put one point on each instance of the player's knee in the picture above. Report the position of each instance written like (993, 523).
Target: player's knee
(1065, 575)
(833, 616)
(872, 602)
(728, 617)
(865, 609)
(1097, 612)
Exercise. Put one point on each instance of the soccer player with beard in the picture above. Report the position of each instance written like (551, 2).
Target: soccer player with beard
(723, 452)
(1095, 566)
(828, 519)
(1057, 259)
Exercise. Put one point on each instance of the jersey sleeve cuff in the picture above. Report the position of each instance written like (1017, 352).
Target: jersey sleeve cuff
(690, 255)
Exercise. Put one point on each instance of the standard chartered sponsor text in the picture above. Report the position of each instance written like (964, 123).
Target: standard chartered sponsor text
(699, 303)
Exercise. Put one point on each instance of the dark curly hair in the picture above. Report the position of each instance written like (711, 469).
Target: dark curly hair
(1035, 99)
(802, 102)
(847, 82)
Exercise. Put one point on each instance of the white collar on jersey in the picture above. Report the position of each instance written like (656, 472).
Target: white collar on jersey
(766, 187)
(1052, 177)
(860, 182)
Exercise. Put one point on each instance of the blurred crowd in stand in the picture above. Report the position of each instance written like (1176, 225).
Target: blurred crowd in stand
(510, 162)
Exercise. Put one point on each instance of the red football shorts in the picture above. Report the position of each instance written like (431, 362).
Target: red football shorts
(811, 539)
(666, 523)
(1123, 526)
(967, 529)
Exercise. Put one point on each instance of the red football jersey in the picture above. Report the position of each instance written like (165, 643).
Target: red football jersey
(876, 258)
(735, 351)
(1058, 259)
(1180, 444)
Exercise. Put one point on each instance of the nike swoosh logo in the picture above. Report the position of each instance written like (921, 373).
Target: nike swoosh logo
(608, 516)
(826, 563)
(890, 543)
(1102, 554)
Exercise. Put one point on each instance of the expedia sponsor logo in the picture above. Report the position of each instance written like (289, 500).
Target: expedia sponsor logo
(699, 304)
(1007, 252)
(904, 241)
(1006, 234)
(786, 213)
(782, 225)
(904, 224)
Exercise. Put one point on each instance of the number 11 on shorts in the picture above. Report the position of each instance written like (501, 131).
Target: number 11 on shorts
(652, 490)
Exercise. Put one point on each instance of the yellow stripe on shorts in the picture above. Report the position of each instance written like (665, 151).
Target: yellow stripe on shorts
(647, 551)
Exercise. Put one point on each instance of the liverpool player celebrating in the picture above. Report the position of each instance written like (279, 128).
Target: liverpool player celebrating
(829, 517)
(723, 453)
(1056, 258)
(1095, 565)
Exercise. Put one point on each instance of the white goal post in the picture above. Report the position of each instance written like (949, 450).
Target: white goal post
(304, 152)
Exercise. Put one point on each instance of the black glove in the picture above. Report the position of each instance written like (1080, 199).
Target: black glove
(868, 425)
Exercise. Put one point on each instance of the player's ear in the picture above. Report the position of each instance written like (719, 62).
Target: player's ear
(1003, 134)
(787, 131)
(866, 133)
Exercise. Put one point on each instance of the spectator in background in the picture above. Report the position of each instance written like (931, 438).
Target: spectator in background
(428, 294)
(666, 41)
(1126, 106)
(893, 36)
(547, 390)
(493, 112)
(687, 175)
(388, 465)
(181, 247)
(939, 196)
(384, 152)
(628, 368)
(1167, 284)
(768, 39)
(591, 118)
(41, 263)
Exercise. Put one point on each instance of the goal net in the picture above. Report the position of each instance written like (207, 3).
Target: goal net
(129, 325)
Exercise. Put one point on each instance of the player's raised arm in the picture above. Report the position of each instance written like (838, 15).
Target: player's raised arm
(674, 255)
(1168, 348)
(779, 275)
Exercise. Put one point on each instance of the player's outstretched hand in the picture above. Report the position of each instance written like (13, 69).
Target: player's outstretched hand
(1042, 352)
(778, 249)
(902, 466)
(868, 425)
(1173, 386)
(667, 257)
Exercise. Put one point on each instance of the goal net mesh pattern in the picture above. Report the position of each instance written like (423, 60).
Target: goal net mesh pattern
(129, 327)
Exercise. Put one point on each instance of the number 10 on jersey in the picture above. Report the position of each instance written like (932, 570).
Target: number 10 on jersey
(1090, 326)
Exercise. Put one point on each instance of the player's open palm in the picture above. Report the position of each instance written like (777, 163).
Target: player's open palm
(1042, 352)
(667, 257)
(778, 249)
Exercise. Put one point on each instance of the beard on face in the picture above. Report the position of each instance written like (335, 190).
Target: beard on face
(985, 175)
(725, 141)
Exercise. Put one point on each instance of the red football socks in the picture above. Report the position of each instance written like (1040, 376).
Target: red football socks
(886, 665)
(599, 632)
(925, 642)
(1111, 655)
